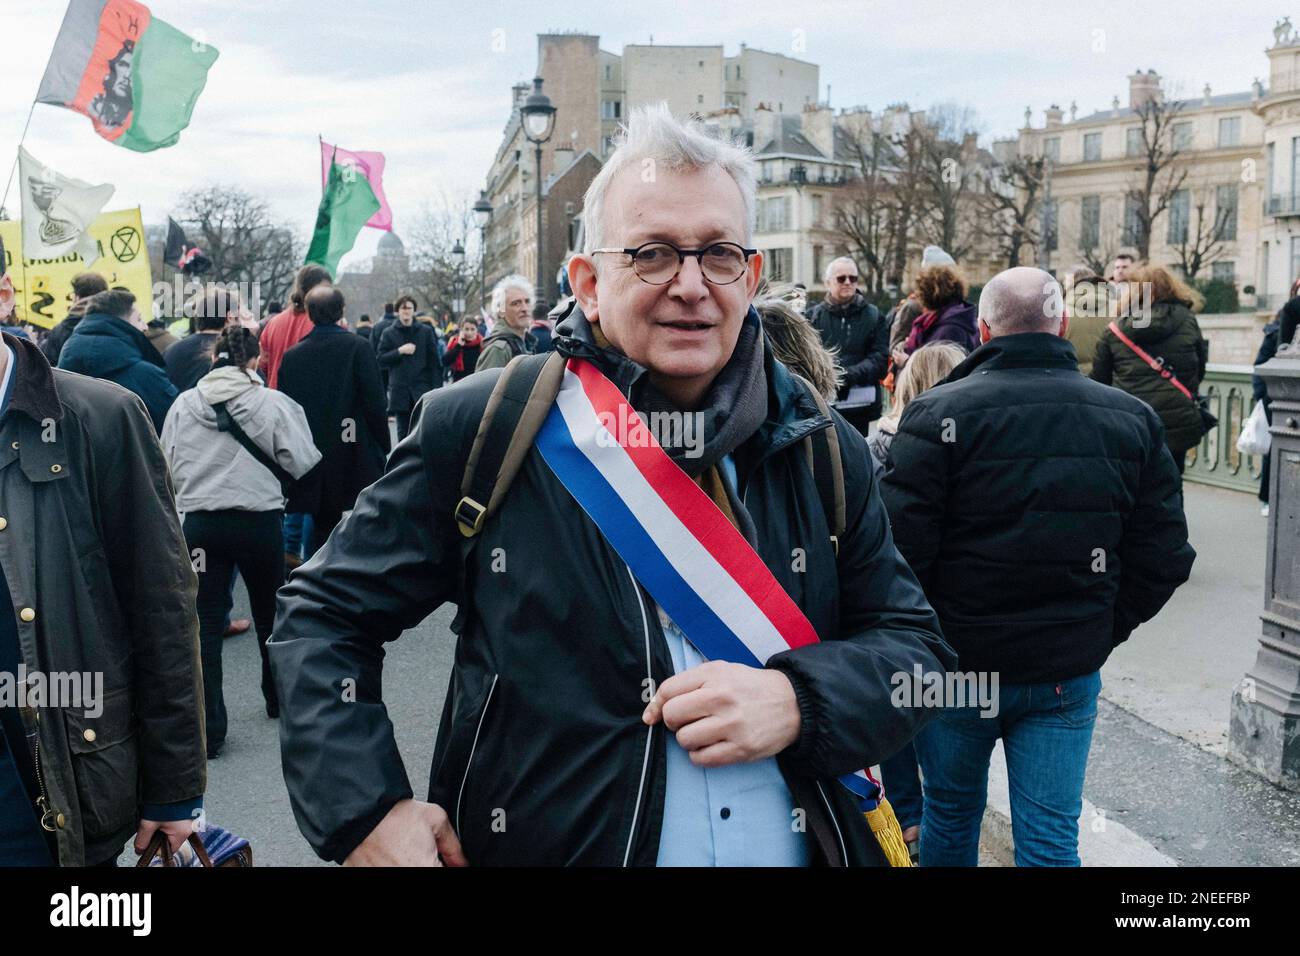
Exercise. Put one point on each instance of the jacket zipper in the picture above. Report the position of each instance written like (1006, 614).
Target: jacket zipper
(43, 801)
(645, 761)
(473, 747)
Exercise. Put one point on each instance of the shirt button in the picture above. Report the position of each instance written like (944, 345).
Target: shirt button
(56, 468)
(27, 614)
(14, 446)
(89, 735)
(60, 821)
(4, 523)
(726, 812)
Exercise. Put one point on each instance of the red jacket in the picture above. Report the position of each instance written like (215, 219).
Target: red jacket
(281, 333)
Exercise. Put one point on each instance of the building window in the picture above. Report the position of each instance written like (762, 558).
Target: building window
(699, 97)
(1091, 147)
(774, 214)
(1225, 204)
(817, 205)
(1052, 148)
(1132, 233)
(1181, 134)
(737, 71)
(1268, 170)
(1230, 131)
(1179, 205)
(780, 265)
(1133, 141)
(1090, 222)
(701, 64)
(817, 257)
(607, 71)
(1224, 271)
(611, 109)
(1051, 208)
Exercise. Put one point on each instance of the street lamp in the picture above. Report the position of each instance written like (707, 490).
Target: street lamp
(482, 215)
(538, 117)
(458, 258)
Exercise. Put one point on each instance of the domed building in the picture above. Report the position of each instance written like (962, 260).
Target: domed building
(388, 277)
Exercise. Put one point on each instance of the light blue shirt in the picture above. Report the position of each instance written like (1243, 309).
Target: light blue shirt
(738, 815)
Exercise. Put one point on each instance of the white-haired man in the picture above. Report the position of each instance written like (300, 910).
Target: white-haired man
(512, 309)
(854, 327)
(1042, 514)
(583, 724)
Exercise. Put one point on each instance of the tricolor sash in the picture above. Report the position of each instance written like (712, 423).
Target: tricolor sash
(672, 535)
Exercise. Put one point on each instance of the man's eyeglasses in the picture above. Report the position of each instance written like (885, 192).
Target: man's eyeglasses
(658, 263)
(846, 278)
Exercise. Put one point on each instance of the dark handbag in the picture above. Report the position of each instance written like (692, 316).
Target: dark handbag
(226, 423)
(1161, 368)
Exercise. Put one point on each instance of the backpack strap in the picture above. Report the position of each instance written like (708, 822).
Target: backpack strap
(515, 411)
(823, 450)
(226, 423)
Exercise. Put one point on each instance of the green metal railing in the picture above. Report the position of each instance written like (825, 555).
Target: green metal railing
(1216, 460)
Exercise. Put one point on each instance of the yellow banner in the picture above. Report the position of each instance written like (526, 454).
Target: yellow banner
(44, 286)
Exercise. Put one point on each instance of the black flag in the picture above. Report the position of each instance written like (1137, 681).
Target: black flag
(180, 254)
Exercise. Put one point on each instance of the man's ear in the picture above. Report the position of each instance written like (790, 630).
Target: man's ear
(986, 333)
(1065, 326)
(754, 276)
(7, 297)
(583, 282)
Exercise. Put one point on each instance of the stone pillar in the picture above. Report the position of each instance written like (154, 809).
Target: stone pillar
(1264, 726)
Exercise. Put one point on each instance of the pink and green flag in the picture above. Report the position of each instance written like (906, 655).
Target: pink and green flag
(136, 77)
(346, 207)
(369, 164)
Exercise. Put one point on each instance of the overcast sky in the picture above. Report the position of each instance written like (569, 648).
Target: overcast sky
(420, 80)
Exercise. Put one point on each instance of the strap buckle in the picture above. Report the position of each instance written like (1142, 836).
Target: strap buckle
(469, 516)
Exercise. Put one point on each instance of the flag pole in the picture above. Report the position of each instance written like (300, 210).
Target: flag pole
(12, 169)
(320, 140)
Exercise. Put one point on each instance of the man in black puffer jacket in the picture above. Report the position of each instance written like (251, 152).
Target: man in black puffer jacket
(1041, 513)
(854, 327)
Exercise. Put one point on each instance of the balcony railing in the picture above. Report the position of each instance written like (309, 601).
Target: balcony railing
(1284, 204)
(1216, 460)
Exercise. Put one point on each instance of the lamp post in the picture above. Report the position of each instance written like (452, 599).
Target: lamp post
(458, 258)
(538, 118)
(482, 215)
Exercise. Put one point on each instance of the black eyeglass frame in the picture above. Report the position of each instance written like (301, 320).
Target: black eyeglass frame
(631, 253)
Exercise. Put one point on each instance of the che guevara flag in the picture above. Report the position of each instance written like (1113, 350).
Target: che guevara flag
(136, 77)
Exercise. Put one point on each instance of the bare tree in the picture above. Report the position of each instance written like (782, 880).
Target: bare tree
(1010, 203)
(948, 164)
(1203, 238)
(861, 213)
(1100, 257)
(1160, 175)
(439, 225)
(236, 230)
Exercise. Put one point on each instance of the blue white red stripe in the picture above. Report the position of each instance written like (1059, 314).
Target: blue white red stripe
(676, 540)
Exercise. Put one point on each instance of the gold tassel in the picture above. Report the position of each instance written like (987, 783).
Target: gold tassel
(889, 834)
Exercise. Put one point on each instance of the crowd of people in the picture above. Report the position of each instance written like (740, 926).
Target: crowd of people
(987, 487)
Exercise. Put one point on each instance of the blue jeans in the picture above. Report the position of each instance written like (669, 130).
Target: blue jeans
(297, 533)
(1046, 730)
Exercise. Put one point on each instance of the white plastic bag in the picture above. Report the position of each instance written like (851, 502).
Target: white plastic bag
(1255, 438)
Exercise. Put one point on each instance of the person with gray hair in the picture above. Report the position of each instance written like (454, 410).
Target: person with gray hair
(859, 335)
(579, 705)
(1042, 513)
(512, 304)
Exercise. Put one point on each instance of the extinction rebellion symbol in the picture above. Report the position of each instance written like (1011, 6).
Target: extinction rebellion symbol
(125, 244)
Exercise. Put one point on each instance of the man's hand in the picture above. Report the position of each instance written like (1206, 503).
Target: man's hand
(407, 349)
(727, 713)
(411, 834)
(178, 831)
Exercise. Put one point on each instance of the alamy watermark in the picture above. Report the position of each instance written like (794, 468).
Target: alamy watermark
(632, 429)
(923, 688)
(81, 690)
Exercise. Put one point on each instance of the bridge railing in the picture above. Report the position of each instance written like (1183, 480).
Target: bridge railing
(1216, 460)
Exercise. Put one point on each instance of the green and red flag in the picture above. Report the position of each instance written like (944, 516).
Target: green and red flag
(346, 207)
(136, 77)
